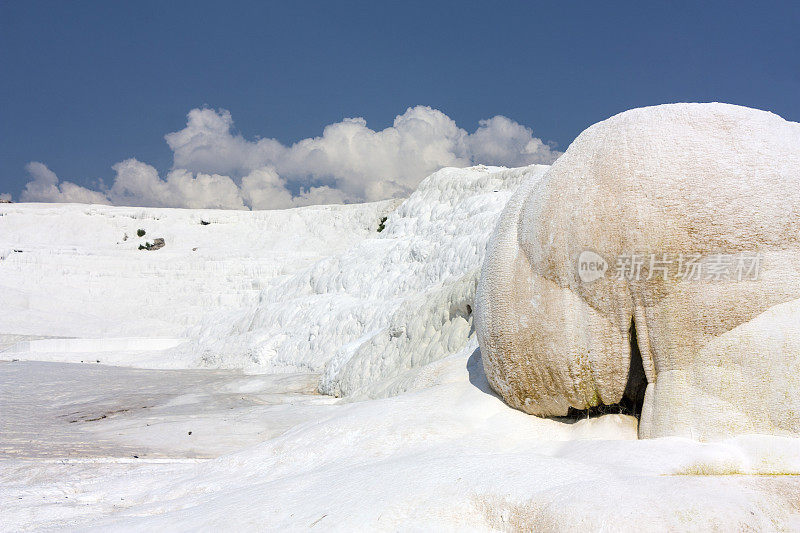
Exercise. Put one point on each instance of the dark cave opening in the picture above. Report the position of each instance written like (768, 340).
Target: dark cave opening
(633, 397)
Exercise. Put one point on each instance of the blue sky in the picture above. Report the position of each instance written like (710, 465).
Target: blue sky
(86, 85)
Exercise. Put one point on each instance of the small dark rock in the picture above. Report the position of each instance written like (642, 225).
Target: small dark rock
(155, 245)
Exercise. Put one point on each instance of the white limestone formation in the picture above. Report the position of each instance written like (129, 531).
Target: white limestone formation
(707, 185)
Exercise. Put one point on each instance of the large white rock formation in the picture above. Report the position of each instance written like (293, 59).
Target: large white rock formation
(705, 184)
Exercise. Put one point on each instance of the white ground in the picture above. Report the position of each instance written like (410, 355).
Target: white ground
(318, 295)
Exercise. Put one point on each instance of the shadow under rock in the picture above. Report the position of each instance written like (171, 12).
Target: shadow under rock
(477, 376)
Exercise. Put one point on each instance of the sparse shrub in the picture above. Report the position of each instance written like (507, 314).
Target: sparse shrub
(382, 224)
(157, 244)
(140, 232)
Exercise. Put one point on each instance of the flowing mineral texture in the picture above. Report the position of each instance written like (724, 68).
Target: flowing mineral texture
(685, 221)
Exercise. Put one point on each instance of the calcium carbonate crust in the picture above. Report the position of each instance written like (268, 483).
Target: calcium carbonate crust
(720, 358)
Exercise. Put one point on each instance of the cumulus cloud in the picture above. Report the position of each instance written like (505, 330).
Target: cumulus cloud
(208, 144)
(216, 167)
(138, 183)
(372, 165)
(44, 186)
(501, 141)
(264, 189)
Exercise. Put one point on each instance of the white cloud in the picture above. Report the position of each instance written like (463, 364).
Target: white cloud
(44, 186)
(214, 166)
(138, 183)
(264, 189)
(501, 141)
(208, 144)
(372, 165)
(5, 196)
(319, 195)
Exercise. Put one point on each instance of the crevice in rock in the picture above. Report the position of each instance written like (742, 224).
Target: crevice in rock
(635, 386)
